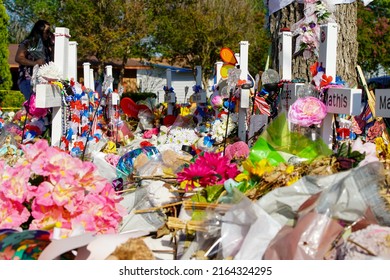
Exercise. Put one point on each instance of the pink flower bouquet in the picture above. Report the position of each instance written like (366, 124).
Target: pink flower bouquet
(48, 188)
(307, 111)
(207, 170)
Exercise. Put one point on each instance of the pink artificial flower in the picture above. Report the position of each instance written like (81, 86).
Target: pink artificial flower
(209, 169)
(112, 159)
(43, 194)
(48, 217)
(33, 151)
(14, 182)
(98, 215)
(197, 173)
(148, 134)
(217, 101)
(61, 190)
(32, 109)
(307, 111)
(12, 213)
(236, 151)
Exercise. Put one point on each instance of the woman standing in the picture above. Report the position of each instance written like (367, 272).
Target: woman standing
(36, 49)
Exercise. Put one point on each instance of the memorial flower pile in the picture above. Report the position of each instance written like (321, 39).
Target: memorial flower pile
(49, 188)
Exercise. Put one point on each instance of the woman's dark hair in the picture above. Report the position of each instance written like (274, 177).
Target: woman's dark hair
(37, 31)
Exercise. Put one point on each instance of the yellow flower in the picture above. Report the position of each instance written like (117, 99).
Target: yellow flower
(242, 177)
(290, 169)
(189, 184)
(59, 84)
(292, 180)
(261, 167)
(184, 111)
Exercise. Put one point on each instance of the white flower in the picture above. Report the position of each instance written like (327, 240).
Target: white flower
(49, 72)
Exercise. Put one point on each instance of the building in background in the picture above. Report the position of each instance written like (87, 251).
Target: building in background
(138, 76)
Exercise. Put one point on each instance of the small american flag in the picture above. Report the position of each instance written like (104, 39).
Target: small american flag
(262, 105)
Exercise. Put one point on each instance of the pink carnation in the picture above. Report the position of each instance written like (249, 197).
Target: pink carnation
(307, 111)
(217, 101)
(237, 150)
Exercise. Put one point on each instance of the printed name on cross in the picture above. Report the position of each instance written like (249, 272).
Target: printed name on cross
(384, 102)
(337, 100)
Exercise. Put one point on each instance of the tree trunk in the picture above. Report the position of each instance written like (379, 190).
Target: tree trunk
(347, 46)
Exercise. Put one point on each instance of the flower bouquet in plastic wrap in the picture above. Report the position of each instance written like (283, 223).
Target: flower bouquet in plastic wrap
(318, 214)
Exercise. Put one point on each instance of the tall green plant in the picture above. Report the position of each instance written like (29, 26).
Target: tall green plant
(374, 35)
(5, 72)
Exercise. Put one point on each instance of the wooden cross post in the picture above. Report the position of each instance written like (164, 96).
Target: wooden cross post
(91, 80)
(245, 93)
(327, 60)
(285, 54)
(49, 96)
(199, 97)
(217, 79)
(169, 96)
(72, 61)
(289, 93)
(87, 77)
(328, 48)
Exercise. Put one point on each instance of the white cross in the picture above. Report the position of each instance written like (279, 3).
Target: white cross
(245, 93)
(49, 96)
(199, 97)
(285, 54)
(169, 97)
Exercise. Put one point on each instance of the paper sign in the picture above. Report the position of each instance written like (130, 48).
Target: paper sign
(288, 96)
(199, 97)
(170, 97)
(344, 101)
(47, 96)
(382, 103)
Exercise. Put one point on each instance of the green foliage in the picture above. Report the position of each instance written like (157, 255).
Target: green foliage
(193, 32)
(106, 29)
(11, 99)
(374, 35)
(139, 96)
(5, 73)
(347, 158)
(24, 13)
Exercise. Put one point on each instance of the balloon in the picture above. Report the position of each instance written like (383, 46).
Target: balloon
(227, 55)
(129, 107)
(270, 76)
(225, 70)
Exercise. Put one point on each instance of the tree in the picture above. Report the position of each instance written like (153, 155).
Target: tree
(347, 49)
(193, 32)
(374, 36)
(5, 73)
(107, 29)
(24, 13)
